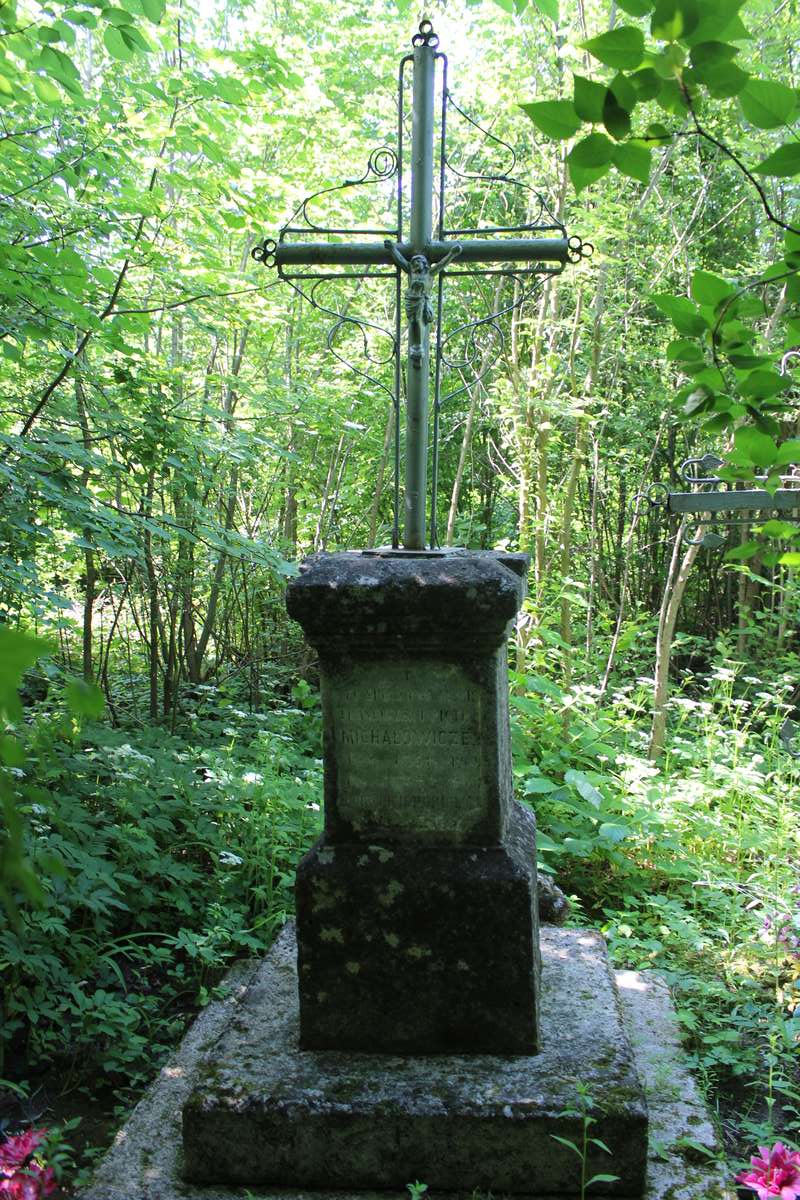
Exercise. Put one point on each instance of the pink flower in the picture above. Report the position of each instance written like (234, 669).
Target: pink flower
(22, 1177)
(776, 1173)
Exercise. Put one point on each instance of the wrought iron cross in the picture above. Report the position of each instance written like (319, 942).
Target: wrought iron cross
(422, 260)
(711, 501)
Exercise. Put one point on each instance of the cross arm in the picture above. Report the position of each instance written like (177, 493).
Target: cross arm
(745, 500)
(478, 250)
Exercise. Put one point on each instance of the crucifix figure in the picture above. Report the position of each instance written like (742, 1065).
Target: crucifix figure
(418, 308)
(422, 257)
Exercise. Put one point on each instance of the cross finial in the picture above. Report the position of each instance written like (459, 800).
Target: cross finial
(417, 258)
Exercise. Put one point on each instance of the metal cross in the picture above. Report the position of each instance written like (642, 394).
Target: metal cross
(711, 501)
(421, 260)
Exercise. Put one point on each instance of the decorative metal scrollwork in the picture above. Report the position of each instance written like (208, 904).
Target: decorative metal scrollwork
(469, 351)
(265, 252)
(426, 36)
(579, 249)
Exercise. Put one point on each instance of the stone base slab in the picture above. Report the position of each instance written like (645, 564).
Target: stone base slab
(146, 1161)
(265, 1112)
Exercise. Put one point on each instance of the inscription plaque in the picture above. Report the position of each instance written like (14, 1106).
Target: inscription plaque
(409, 745)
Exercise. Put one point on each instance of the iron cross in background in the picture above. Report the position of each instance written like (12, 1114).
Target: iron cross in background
(422, 261)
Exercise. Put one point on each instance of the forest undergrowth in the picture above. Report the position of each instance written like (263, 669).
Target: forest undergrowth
(165, 855)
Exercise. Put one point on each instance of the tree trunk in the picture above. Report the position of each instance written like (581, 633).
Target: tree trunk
(466, 441)
(673, 594)
(376, 499)
(90, 591)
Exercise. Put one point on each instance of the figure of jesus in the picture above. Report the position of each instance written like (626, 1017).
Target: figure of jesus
(417, 304)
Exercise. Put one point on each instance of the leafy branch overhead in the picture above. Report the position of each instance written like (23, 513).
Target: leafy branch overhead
(689, 62)
(683, 73)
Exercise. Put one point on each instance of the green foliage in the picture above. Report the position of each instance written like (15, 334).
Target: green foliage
(588, 1143)
(172, 857)
(691, 75)
(689, 866)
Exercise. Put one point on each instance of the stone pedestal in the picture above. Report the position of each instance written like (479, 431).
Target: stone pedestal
(416, 910)
(402, 1039)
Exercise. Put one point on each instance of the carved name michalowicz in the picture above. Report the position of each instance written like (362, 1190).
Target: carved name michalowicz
(408, 747)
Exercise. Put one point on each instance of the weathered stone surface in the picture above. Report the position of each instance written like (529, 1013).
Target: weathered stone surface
(417, 911)
(553, 904)
(685, 1159)
(414, 692)
(420, 949)
(265, 1112)
(416, 750)
(368, 601)
(145, 1162)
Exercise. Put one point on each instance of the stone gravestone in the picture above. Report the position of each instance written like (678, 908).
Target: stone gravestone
(409, 1042)
(416, 913)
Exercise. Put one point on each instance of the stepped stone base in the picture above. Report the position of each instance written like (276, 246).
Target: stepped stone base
(265, 1112)
(499, 1119)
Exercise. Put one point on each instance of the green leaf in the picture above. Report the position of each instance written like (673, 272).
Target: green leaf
(672, 98)
(135, 38)
(782, 162)
(658, 134)
(646, 84)
(747, 362)
(763, 384)
(696, 399)
(788, 452)
(601, 1179)
(555, 118)
(566, 1142)
(790, 559)
(596, 150)
(708, 288)
(58, 64)
(116, 16)
(719, 20)
(682, 350)
(624, 92)
(615, 118)
(84, 699)
(633, 159)
(45, 90)
(706, 54)
(153, 10)
(586, 790)
(588, 99)
(722, 78)
(674, 19)
(537, 785)
(116, 44)
(636, 8)
(743, 552)
(621, 48)
(18, 651)
(583, 177)
(766, 104)
(684, 315)
(589, 160)
(717, 424)
(756, 447)
(549, 8)
(778, 529)
(610, 831)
